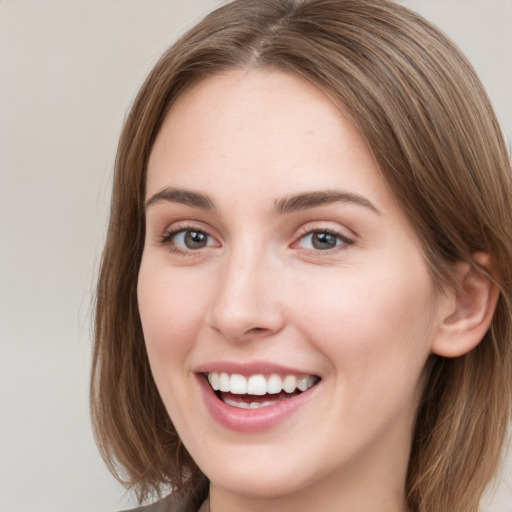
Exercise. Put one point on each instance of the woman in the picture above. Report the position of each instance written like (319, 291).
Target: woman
(305, 295)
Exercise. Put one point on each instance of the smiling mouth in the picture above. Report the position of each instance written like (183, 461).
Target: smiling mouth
(256, 391)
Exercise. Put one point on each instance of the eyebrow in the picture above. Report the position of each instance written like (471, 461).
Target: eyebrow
(181, 196)
(314, 199)
(298, 202)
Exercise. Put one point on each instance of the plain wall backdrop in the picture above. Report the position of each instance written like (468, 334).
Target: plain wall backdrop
(69, 70)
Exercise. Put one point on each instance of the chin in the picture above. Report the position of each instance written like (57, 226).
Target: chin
(259, 484)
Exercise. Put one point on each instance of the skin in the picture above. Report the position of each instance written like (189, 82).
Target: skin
(363, 316)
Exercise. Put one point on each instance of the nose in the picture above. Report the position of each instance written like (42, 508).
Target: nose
(247, 302)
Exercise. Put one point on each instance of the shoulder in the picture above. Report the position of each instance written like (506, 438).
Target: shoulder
(171, 504)
(168, 504)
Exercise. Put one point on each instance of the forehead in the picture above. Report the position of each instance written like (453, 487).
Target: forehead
(254, 125)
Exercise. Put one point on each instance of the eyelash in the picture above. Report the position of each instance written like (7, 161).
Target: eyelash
(169, 236)
(308, 231)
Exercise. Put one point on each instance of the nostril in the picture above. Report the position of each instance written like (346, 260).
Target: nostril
(256, 330)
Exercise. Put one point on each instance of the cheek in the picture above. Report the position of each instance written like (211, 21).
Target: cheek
(171, 311)
(374, 325)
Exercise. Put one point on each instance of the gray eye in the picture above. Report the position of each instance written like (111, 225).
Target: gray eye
(190, 239)
(321, 240)
(195, 239)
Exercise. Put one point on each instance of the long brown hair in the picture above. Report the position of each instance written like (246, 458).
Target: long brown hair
(427, 119)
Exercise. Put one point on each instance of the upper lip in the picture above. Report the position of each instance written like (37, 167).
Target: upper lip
(252, 368)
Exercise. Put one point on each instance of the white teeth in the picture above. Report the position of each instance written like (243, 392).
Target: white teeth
(238, 384)
(304, 383)
(290, 383)
(259, 385)
(214, 380)
(245, 405)
(224, 382)
(274, 385)
(240, 405)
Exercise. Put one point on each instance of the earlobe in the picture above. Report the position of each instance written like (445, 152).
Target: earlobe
(467, 309)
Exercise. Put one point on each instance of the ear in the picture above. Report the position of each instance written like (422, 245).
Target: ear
(467, 310)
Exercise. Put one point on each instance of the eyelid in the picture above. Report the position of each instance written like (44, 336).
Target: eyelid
(169, 234)
(166, 238)
(310, 229)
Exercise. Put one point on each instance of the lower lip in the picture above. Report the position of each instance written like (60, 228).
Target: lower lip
(251, 420)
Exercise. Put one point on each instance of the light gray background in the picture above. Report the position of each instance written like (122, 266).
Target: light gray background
(68, 71)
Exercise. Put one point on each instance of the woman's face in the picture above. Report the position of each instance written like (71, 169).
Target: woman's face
(275, 258)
